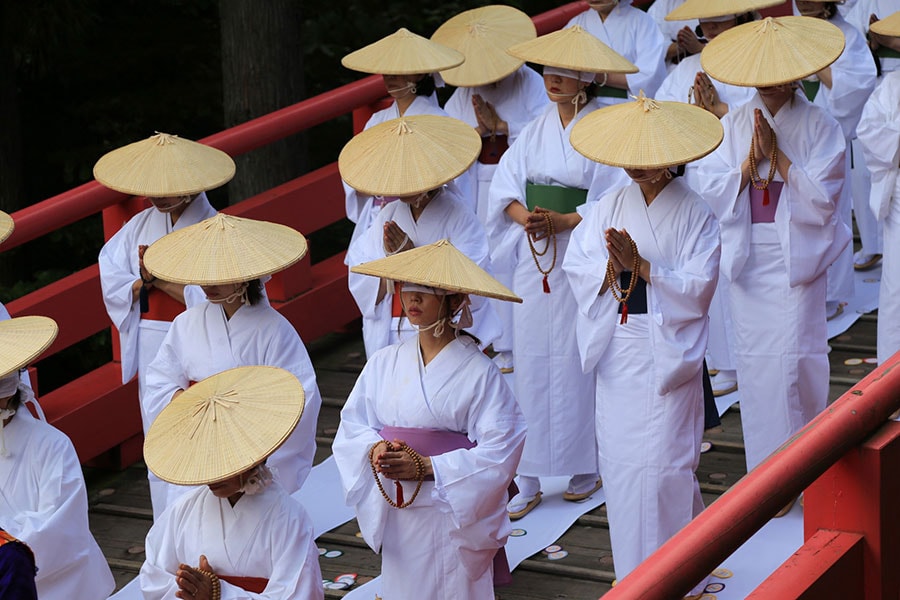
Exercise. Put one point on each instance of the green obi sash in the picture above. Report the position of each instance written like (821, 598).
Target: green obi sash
(554, 197)
(811, 88)
(611, 92)
(885, 52)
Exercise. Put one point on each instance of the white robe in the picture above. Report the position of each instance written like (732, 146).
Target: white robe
(777, 269)
(632, 33)
(518, 100)
(649, 388)
(444, 217)
(139, 339)
(202, 343)
(853, 79)
(858, 16)
(43, 502)
(669, 29)
(268, 535)
(448, 537)
(879, 137)
(548, 375)
(361, 208)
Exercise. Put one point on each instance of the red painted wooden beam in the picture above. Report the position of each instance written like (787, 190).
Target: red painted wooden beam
(700, 547)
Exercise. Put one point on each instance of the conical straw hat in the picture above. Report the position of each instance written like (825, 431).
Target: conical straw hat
(23, 339)
(224, 425)
(772, 51)
(438, 265)
(573, 48)
(6, 226)
(889, 25)
(403, 53)
(647, 134)
(707, 9)
(224, 249)
(483, 36)
(163, 166)
(409, 155)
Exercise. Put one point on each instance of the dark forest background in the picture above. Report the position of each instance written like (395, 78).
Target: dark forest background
(79, 78)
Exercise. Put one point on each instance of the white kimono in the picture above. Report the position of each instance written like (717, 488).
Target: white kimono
(202, 343)
(548, 375)
(858, 16)
(362, 209)
(442, 546)
(777, 270)
(43, 502)
(268, 535)
(658, 10)
(444, 217)
(518, 99)
(879, 137)
(632, 33)
(649, 387)
(853, 79)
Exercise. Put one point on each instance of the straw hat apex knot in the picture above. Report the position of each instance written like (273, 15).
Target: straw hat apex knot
(404, 32)
(646, 103)
(164, 138)
(478, 28)
(208, 408)
(766, 24)
(576, 29)
(402, 127)
(221, 220)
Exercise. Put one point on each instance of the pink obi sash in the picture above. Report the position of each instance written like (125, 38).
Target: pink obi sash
(382, 201)
(764, 202)
(434, 442)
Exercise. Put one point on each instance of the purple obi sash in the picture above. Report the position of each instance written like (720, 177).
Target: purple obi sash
(764, 202)
(434, 442)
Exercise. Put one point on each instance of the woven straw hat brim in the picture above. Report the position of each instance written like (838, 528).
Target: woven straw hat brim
(409, 155)
(438, 265)
(573, 48)
(7, 225)
(483, 35)
(224, 249)
(887, 26)
(23, 339)
(647, 134)
(403, 53)
(162, 166)
(707, 9)
(772, 51)
(224, 425)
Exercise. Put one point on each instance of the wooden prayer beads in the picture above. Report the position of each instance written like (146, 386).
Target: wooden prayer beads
(420, 475)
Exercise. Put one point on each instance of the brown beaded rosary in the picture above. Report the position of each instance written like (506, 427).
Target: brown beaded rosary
(420, 475)
(618, 293)
(755, 180)
(551, 236)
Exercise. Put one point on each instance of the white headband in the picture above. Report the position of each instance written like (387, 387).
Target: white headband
(9, 385)
(424, 289)
(583, 76)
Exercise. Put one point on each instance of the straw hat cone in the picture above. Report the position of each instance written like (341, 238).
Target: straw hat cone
(647, 134)
(573, 48)
(224, 249)
(483, 36)
(409, 155)
(23, 339)
(889, 25)
(6, 226)
(163, 166)
(772, 51)
(224, 425)
(707, 9)
(403, 53)
(438, 265)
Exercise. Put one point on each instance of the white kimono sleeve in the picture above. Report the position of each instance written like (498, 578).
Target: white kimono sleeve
(166, 374)
(116, 280)
(879, 137)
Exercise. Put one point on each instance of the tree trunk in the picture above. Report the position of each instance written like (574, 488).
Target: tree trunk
(262, 71)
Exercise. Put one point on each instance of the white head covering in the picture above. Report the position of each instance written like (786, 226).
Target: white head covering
(9, 385)
(583, 76)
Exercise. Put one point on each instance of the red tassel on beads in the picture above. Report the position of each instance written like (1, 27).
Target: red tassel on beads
(624, 318)
(765, 197)
(546, 285)
(399, 492)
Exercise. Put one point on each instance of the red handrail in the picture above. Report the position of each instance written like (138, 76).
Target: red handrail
(705, 542)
